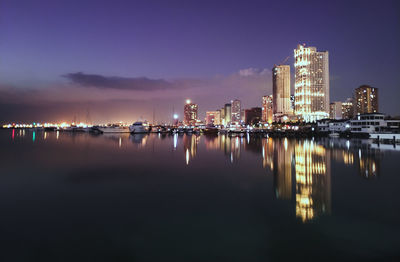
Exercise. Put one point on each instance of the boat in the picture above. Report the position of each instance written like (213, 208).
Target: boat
(137, 128)
(114, 129)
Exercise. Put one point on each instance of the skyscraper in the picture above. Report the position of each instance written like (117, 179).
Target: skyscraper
(236, 108)
(366, 99)
(213, 117)
(267, 109)
(348, 109)
(228, 114)
(311, 83)
(222, 116)
(190, 113)
(281, 91)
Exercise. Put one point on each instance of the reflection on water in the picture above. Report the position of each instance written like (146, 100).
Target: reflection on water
(312, 165)
(301, 169)
(138, 194)
(190, 146)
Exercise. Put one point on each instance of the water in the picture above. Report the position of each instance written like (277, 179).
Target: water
(80, 197)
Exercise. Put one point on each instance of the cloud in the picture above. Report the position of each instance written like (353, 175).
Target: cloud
(128, 98)
(115, 82)
(252, 72)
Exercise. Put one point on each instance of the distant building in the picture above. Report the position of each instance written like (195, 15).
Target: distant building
(242, 115)
(366, 99)
(190, 113)
(236, 108)
(311, 83)
(335, 110)
(252, 116)
(222, 116)
(348, 109)
(281, 91)
(213, 117)
(228, 114)
(267, 109)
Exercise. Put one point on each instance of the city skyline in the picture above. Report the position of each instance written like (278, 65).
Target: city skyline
(99, 68)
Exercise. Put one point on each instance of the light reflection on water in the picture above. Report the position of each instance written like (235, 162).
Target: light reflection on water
(301, 181)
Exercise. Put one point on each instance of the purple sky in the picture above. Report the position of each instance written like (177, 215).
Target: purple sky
(119, 60)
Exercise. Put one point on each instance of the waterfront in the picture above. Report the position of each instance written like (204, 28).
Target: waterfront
(158, 197)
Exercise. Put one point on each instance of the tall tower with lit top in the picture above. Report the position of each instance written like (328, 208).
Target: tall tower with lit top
(190, 113)
(311, 83)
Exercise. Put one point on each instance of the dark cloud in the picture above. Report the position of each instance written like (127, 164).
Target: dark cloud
(115, 82)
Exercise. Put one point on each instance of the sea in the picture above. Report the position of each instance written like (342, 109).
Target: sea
(177, 197)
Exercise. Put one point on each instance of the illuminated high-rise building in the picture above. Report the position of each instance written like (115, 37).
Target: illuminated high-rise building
(311, 83)
(335, 110)
(366, 99)
(222, 116)
(228, 114)
(348, 109)
(236, 110)
(190, 113)
(213, 117)
(281, 91)
(267, 109)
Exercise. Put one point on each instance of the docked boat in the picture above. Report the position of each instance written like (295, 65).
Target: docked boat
(114, 129)
(137, 128)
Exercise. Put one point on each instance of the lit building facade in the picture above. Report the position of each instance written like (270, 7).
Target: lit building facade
(236, 110)
(190, 113)
(348, 109)
(267, 109)
(281, 91)
(366, 99)
(228, 114)
(213, 117)
(311, 83)
(335, 110)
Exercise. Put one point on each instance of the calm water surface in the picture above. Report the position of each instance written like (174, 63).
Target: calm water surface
(80, 197)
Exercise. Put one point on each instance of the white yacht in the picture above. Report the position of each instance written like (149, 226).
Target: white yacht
(137, 128)
(114, 129)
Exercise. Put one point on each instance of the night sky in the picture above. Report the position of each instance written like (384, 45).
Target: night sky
(121, 60)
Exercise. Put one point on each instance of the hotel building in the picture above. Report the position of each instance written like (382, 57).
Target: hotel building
(281, 91)
(190, 113)
(213, 117)
(348, 109)
(236, 110)
(267, 109)
(366, 99)
(311, 83)
(228, 114)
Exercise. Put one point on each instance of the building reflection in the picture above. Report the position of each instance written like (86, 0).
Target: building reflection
(230, 145)
(268, 153)
(282, 168)
(368, 164)
(312, 180)
(358, 153)
(190, 146)
(301, 171)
